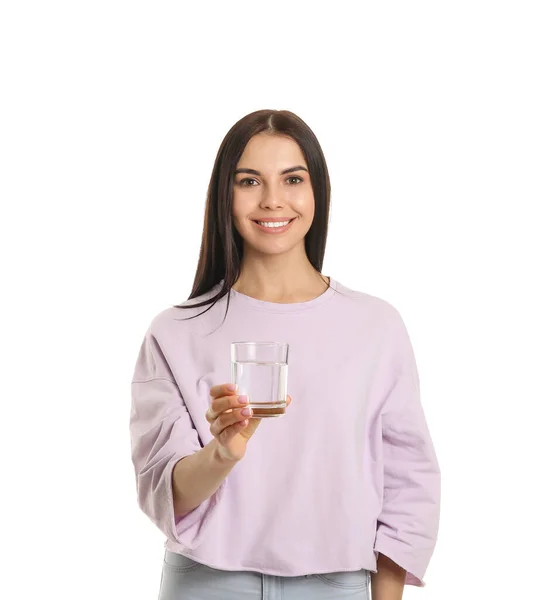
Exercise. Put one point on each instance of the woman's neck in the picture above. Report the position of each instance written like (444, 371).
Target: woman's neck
(280, 279)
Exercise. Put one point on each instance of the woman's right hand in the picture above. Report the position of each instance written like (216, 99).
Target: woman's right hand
(231, 421)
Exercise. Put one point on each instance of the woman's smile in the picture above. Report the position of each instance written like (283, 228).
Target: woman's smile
(274, 225)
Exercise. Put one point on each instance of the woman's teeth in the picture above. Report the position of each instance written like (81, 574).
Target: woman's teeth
(273, 224)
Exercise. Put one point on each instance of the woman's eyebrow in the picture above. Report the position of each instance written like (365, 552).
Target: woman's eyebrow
(289, 170)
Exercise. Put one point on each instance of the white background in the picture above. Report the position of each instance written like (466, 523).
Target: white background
(435, 121)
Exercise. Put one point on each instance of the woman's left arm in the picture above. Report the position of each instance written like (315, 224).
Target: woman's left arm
(389, 580)
(408, 524)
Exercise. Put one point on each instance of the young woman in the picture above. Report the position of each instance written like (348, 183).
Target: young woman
(340, 497)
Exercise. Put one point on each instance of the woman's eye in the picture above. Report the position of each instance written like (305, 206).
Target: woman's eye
(299, 179)
(242, 182)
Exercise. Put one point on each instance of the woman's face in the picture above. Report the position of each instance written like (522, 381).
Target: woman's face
(273, 199)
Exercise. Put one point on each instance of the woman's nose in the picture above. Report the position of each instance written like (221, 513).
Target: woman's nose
(271, 199)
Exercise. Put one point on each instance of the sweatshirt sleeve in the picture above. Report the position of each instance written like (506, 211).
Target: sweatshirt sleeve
(408, 524)
(162, 433)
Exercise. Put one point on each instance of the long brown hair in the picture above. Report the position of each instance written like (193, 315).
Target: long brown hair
(222, 245)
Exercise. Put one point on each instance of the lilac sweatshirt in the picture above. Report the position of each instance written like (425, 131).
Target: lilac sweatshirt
(349, 471)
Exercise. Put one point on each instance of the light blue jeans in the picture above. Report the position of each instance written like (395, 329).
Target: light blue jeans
(185, 579)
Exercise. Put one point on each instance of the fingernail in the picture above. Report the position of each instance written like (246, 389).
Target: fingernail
(247, 412)
(243, 399)
(232, 387)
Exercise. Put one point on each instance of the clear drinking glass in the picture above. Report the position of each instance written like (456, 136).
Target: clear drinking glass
(260, 371)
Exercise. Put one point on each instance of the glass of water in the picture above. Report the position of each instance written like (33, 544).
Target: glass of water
(260, 371)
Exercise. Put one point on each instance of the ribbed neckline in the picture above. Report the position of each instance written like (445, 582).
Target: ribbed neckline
(285, 307)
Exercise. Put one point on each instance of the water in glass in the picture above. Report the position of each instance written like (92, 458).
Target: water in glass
(265, 383)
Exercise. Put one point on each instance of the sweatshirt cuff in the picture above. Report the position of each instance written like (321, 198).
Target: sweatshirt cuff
(188, 530)
(403, 556)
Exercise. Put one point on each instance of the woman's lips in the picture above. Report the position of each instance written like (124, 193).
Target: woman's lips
(274, 229)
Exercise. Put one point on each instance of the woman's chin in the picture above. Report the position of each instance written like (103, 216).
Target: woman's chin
(268, 249)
